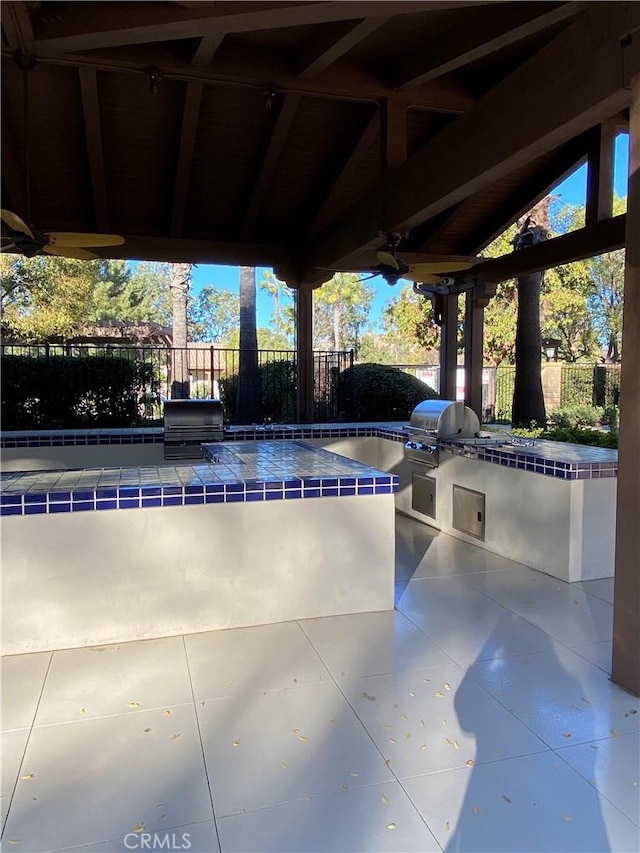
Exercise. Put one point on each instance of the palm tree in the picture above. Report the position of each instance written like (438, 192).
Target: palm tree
(248, 401)
(179, 285)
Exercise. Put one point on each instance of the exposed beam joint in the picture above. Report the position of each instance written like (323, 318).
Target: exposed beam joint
(600, 173)
(190, 116)
(490, 31)
(571, 84)
(333, 41)
(363, 145)
(270, 162)
(93, 135)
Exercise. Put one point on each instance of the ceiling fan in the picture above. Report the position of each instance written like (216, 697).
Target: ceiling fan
(431, 271)
(29, 241)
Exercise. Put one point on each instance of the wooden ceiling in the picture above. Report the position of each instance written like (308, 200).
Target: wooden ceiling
(299, 134)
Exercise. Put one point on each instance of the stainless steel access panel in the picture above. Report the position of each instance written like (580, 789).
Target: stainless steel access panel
(423, 494)
(469, 511)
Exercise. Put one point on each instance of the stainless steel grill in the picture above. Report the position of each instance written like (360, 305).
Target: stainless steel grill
(188, 424)
(433, 421)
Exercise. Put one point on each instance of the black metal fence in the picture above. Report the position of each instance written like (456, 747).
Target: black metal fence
(75, 385)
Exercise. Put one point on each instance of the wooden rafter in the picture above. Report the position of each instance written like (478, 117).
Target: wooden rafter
(605, 236)
(93, 135)
(394, 133)
(331, 42)
(490, 31)
(99, 25)
(269, 163)
(13, 174)
(190, 116)
(571, 84)
(207, 49)
(362, 146)
(16, 23)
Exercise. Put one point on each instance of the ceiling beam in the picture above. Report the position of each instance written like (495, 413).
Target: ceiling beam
(242, 65)
(572, 83)
(605, 236)
(95, 154)
(346, 174)
(489, 31)
(206, 50)
(269, 163)
(171, 250)
(190, 117)
(98, 25)
(16, 23)
(331, 42)
(394, 133)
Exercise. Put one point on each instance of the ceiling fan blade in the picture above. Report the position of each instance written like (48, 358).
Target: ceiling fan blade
(388, 260)
(69, 252)
(16, 223)
(373, 270)
(438, 267)
(74, 239)
(423, 278)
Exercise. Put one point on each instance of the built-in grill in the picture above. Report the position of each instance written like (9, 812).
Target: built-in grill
(433, 421)
(188, 424)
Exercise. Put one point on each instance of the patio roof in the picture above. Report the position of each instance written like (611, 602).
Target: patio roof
(300, 134)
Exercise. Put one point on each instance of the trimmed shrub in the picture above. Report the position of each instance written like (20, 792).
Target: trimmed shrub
(277, 390)
(576, 415)
(64, 392)
(377, 392)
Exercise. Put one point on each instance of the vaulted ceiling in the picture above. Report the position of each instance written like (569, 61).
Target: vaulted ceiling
(299, 134)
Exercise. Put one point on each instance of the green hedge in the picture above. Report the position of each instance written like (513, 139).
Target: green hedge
(278, 392)
(377, 392)
(64, 392)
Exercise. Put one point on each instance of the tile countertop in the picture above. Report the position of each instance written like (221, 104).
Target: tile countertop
(247, 471)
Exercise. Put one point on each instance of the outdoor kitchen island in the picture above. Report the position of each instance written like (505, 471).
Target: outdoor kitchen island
(266, 531)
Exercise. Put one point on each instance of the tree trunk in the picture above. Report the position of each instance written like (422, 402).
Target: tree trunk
(249, 397)
(528, 399)
(179, 286)
(337, 339)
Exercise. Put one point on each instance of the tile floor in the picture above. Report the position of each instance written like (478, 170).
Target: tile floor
(478, 716)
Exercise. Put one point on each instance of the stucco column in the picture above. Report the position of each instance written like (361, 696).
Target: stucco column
(626, 609)
(304, 353)
(449, 347)
(473, 352)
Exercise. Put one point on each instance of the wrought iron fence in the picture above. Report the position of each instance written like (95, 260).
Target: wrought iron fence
(76, 385)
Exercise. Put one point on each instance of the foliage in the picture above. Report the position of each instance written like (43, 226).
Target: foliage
(278, 393)
(64, 392)
(377, 392)
(565, 314)
(577, 415)
(341, 310)
(283, 316)
(410, 316)
(572, 435)
(213, 314)
(267, 339)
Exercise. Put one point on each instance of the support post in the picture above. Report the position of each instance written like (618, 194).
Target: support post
(304, 353)
(473, 352)
(600, 174)
(449, 347)
(626, 607)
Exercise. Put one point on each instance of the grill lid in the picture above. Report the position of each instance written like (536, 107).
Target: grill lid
(444, 419)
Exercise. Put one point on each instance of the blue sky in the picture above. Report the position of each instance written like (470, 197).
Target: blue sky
(573, 190)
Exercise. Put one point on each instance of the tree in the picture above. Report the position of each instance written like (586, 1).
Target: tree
(179, 286)
(281, 318)
(565, 314)
(249, 393)
(214, 313)
(340, 311)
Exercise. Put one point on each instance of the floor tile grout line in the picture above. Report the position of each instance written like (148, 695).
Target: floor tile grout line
(130, 713)
(85, 848)
(26, 743)
(204, 757)
(370, 736)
